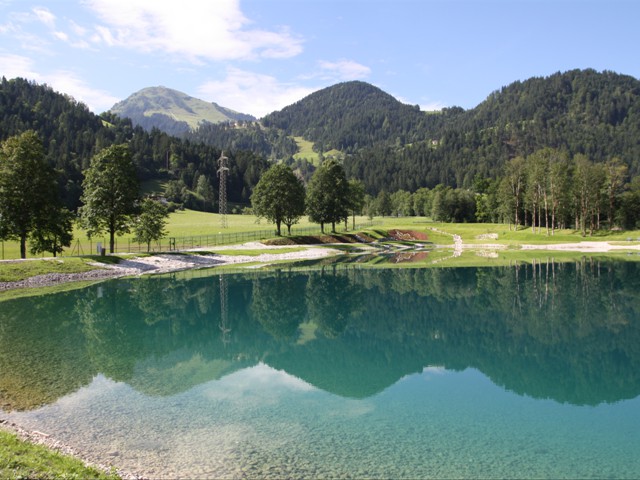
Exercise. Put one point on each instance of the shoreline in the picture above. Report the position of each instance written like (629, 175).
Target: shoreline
(166, 263)
(40, 438)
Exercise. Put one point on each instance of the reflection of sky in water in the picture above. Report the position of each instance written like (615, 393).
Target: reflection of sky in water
(256, 385)
(264, 422)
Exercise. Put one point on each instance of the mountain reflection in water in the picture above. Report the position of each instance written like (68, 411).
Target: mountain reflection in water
(568, 332)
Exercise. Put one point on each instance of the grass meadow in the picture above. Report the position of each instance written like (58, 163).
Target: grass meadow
(189, 227)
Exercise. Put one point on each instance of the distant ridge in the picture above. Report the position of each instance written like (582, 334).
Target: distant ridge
(172, 111)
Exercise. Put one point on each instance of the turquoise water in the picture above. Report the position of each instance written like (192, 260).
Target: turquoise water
(519, 372)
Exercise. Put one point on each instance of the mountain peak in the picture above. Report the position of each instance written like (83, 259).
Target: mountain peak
(173, 111)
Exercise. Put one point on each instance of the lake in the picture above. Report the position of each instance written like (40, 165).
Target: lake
(338, 372)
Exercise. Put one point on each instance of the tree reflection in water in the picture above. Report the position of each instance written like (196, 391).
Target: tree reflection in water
(569, 331)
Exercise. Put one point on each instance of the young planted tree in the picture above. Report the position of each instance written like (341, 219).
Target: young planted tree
(28, 191)
(279, 197)
(328, 195)
(110, 192)
(149, 225)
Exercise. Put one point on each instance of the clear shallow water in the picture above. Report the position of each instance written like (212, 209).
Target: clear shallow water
(510, 372)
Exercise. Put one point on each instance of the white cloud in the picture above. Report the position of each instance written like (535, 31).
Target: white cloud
(427, 105)
(45, 16)
(68, 82)
(252, 93)
(432, 106)
(77, 29)
(61, 36)
(18, 66)
(195, 29)
(62, 81)
(344, 70)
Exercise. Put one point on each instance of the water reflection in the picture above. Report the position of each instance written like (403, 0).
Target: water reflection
(568, 332)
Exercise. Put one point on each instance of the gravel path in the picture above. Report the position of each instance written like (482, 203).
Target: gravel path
(164, 263)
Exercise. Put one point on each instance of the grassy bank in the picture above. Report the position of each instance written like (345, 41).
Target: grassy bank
(188, 227)
(20, 459)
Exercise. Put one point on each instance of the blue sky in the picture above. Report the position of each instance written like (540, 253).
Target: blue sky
(256, 56)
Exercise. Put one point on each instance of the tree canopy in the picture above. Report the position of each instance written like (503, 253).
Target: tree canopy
(110, 192)
(149, 225)
(28, 193)
(279, 197)
(328, 195)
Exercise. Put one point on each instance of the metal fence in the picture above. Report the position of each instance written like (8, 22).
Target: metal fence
(176, 244)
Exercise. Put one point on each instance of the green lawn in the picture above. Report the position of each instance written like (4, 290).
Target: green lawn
(15, 271)
(193, 229)
(183, 225)
(19, 459)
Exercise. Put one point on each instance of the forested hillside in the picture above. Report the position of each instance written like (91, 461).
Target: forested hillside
(271, 143)
(580, 112)
(353, 115)
(71, 135)
(387, 145)
(392, 146)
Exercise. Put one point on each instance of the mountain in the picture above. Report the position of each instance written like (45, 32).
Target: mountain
(386, 144)
(352, 115)
(580, 111)
(71, 135)
(173, 112)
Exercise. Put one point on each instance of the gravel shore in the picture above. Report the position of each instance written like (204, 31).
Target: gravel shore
(165, 263)
(40, 438)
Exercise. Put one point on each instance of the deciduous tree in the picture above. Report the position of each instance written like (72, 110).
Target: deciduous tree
(110, 192)
(54, 233)
(328, 195)
(28, 191)
(149, 225)
(279, 197)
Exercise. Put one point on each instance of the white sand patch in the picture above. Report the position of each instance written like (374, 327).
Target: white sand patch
(593, 247)
(165, 263)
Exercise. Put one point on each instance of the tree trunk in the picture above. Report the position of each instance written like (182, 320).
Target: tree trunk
(533, 219)
(278, 227)
(23, 245)
(112, 240)
(546, 213)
